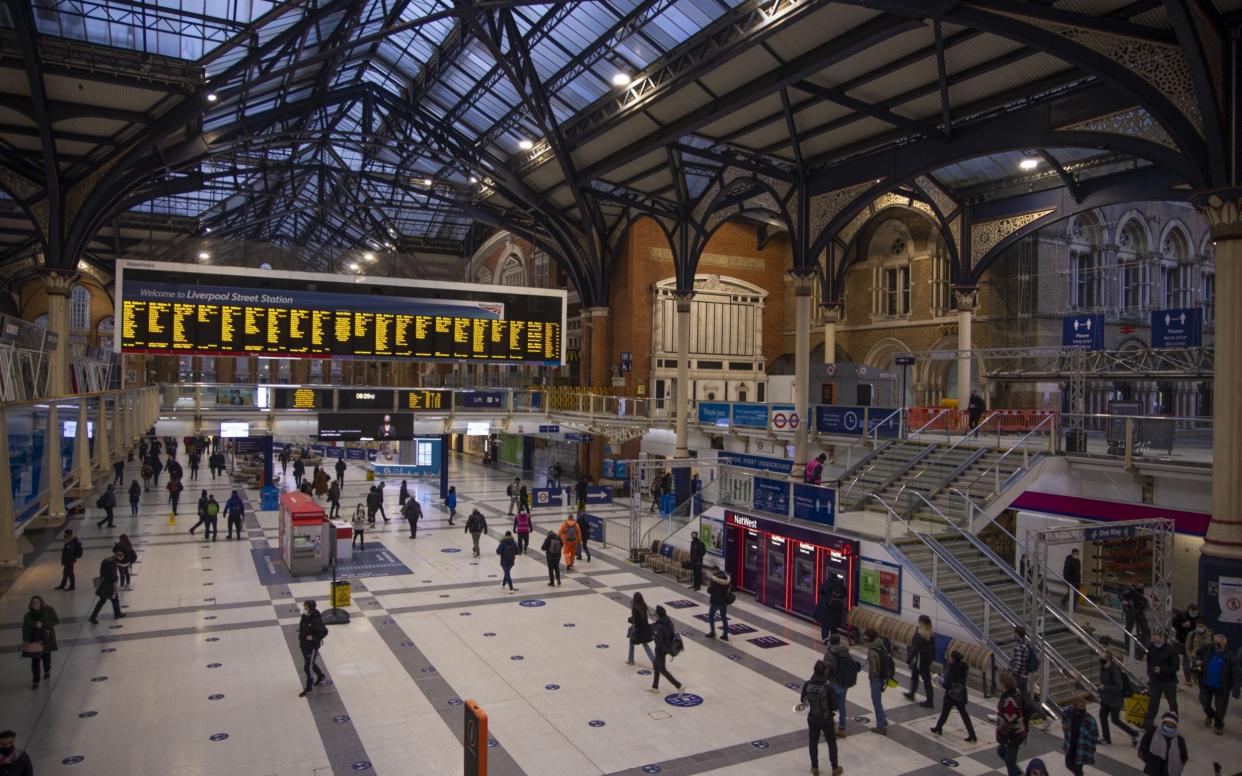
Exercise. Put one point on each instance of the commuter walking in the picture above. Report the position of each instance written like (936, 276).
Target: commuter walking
(880, 669)
(311, 633)
(195, 460)
(340, 470)
(129, 556)
(1079, 736)
(156, 469)
(1198, 638)
(106, 590)
(450, 501)
(507, 550)
(554, 475)
(975, 408)
(202, 510)
(1184, 622)
(372, 504)
(1023, 661)
(581, 487)
(665, 647)
(1071, 571)
(211, 519)
(640, 628)
(584, 537)
(476, 526)
(569, 532)
(1163, 749)
(234, 510)
(830, 609)
(523, 499)
(843, 673)
(719, 594)
(698, 551)
(69, 555)
(118, 472)
(403, 495)
(821, 700)
(174, 494)
(283, 457)
(379, 504)
(955, 675)
(135, 495)
(1134, 606)
(412, 513)
(106, 502)
(1219, 677)
(1162, 662)
(1036, 767)
(522, 527)
(39, 637)
(1011, 724)
(1113, 689)
(552, 555)
(13, 761)
(920, 656)
(512, 492)
(360, 527)
(334, 500)
(299, 472)
(657, 490)
(147, 473)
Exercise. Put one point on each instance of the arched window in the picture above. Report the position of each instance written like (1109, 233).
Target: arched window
(1176, 271)
(104, 331)
(484, 275)
(41, 321)
(80, 309)
(1086, 290)
(1134, 270)
(512, 273)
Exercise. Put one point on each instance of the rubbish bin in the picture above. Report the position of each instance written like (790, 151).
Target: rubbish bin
(269, 498)
(1076, 441)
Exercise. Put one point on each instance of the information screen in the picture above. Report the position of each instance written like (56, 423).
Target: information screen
(365, 426)
(426, 400)
(229, 311)
(301, 399)
(366, 399)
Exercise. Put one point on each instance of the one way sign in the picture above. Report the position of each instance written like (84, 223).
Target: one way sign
(1083, 331)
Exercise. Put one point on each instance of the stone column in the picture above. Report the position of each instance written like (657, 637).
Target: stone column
(595, 374)
(681, 401)
(803, 282)
(119, 440)
(8, 524)
(832, 316)
(82, 451)
(299, 371)
(57, 284)
(967, 298)
(103, 453)
(55, 477)
(226, 369)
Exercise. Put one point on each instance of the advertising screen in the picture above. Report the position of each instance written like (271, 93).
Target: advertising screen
(234, 430)
(365, 426)
(231, 311)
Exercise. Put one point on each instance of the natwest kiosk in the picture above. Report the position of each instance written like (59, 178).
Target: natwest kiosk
(783, 564)
(305, 535)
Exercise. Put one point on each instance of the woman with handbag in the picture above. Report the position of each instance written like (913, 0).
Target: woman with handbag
(39, 637)
(640, 629)
(955, 695)
(125, 567)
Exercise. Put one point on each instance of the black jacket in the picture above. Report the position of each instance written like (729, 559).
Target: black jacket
(641, 621)
(340, 466)
(1162, 662)
(1072, 570)
(956, 674)
(1231, 675)
(135, 492)
(580, 491)
(922, 652)
(70, 553)
(697, 550)
(1112, 686)
(20, 766)
(311, 630)
(550, 551)
(507, 550)
(1135, 600)
(107, 578)
(475, 523)
(718, 588)
(662, 632)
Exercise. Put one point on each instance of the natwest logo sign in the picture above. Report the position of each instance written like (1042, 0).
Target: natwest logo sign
(743, 521)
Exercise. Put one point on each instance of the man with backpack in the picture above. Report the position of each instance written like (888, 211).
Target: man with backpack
(211, 514)
(667, 644)
(1023, 660)
(413, 512)
(569, 531)
(106, 502)
(476, 526)
(842, 675)
(880, 670)
(311, 633)
(233, 511)
(552, 554)
(340, 470)
(821, 700)
(69, 555)
(512, 491)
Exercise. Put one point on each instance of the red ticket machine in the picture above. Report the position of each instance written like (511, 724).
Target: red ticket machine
(305, 535)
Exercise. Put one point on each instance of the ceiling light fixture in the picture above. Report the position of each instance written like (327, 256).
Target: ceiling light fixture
(204, 256)
(1028, 163)
(426, 181)
(212, 96)
(622, 79)
(369, 256)
(473, 179)
(207, 229)
(525, 144)
(353, 267)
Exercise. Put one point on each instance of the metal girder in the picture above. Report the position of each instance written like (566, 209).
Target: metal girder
(867, 109)
(1052, 364)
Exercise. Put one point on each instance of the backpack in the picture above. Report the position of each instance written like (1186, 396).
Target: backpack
(554, 545)
(77, 550)
(1126, 687)
(509, 491)
(847, 671)
(213, 509)
(888, 668)
(677, 646)
(819, 697)
(571, 533)
(1032, 661)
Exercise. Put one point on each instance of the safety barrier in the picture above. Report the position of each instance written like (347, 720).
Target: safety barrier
(958, 421)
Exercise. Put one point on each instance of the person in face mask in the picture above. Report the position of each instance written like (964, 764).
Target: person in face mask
(1080, 734)
(13, 761)
(1198, 638)
(1163, 750)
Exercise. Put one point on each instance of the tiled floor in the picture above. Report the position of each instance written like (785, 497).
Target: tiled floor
(203, 677)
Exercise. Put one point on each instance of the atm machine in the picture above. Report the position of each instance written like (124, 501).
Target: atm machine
(307, 538)
(784, 565)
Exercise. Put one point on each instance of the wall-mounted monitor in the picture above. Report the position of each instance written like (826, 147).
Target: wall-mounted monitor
(234, 430)
(365, 426)
(478, 428)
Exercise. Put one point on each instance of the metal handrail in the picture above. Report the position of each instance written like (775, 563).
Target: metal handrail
(1050, 420)
(874, 432)
(673, 519)
(890, 445)
(974, 432)
(1005, 568)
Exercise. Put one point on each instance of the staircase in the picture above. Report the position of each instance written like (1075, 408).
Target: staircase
(878, 471)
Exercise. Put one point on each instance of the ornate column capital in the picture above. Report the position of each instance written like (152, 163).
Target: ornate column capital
(967, 297)
(832, 311)
(803, 281)
(683, 300)
(595, 312)
(1222, 209)
(58, 282)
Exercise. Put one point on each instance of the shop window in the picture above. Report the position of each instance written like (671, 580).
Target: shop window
(423, 453)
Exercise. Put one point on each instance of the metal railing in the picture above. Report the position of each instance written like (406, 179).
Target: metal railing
(1158, 438)
(1024, 445)
(877, 456)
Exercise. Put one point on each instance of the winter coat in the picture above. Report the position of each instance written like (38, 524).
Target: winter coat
(1153, 765)
(1112, 686)
(234, 506)
(70, 553)
(507, 550)
(135, 493)
(834, 657)
(697, 551)
(1231, 673)
(1011, 727)
(450, 501)
(476, 523)
(20, 765)
(1088, 736)
(107, 578)
(47, 616)
(403, 495)
(311, 625)
(552, 549)
(956, 675)
(640, 619)
(922, 651)
(1162, 662)
(1196, 641)
(874, 649)
(662, 633)
(718, 588)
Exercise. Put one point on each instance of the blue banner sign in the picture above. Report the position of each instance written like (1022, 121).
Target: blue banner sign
(831, 419)
(784, 417)
(334, 452)
(762, 463)
(714, 413)
(771, 496)
(479, 400)
(884, 422)
(574, 436)
(599, 494)
(1083, 331)
(815, 504)
(545, 497)
(553, 429)
(317, 450)
(595, 527)
(609, 468)
(1177, 328)
(1109, 532)
(355, 454)
(750, 415)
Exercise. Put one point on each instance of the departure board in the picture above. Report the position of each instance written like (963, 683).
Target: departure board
(174, 309)
(426, 400)
(301, 399)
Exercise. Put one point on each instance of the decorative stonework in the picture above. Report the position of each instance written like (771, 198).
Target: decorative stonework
(967, 297)
(955, 231)
(889, 199)
(984, 236)
(852, 228)
(803, 281)
(1162, 66)
(1134, 122)
(58, 282)
(1223, 212)
(719, 216)
(825, 207)
(665, 256)
(1213, 46)
(939, 197)
(78, 194)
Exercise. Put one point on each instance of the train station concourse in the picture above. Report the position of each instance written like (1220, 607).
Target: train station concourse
(619, 387)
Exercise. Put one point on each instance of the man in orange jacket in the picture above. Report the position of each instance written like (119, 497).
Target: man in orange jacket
(570, 536)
